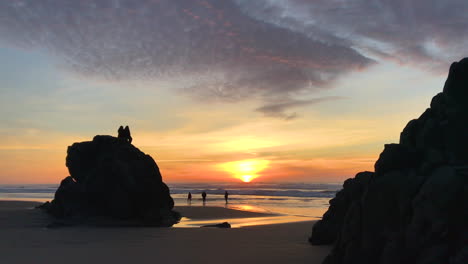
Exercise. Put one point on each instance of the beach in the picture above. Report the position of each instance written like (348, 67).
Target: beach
(301, 199)
(25, 239)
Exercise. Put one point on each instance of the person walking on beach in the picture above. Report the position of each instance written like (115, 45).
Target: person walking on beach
(189, 198)
(203, 195)
(226, 196)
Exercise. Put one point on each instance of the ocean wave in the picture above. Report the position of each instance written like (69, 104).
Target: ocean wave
(275, 190)
(272, 191)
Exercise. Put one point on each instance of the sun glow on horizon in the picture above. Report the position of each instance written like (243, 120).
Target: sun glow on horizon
(246, 178)
(245, 170)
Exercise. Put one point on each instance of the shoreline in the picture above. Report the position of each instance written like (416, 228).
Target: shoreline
(309, 199)
(25, 240)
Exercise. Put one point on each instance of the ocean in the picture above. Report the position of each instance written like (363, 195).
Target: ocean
(293, 199)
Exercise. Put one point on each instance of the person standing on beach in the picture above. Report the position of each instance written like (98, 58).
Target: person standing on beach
(189, 198)
(203, 195)
(226, 196)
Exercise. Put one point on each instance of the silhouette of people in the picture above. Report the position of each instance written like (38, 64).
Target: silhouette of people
(120, 132)
(127, 134)
(203, 195)
(124, 134)
(189, 198)
(226, 196)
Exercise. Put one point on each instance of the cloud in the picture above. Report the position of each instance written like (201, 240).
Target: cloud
(427, 33)
(234, 50)
(278, 109)
(208, 48)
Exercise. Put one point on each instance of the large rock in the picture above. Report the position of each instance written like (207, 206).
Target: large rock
(110, 182)
(455, 86)
(414, 208)
(326, 230)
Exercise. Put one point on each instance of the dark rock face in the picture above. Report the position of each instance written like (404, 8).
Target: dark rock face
(414, 208)
(326, 231)
(113, 180)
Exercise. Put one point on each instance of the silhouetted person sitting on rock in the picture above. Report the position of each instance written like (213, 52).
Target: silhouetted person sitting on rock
(120, 133)
(127, 134)
(124, 134)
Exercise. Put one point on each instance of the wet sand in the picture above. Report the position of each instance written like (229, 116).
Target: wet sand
(24, 239)
(210, 212)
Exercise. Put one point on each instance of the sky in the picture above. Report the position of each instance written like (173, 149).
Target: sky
(278, 90)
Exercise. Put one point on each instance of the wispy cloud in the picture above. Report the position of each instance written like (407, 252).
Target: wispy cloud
(234, 50)
(278, 109)
(209, 48)
(427, 33)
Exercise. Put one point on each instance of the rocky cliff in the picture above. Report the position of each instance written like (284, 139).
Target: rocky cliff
(414, 208)
(110, 182)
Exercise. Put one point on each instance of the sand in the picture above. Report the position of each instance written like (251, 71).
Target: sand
(23, 239)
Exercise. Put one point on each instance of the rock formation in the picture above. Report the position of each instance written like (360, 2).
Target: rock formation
(414, 208)
(222, 225)
(112, 182)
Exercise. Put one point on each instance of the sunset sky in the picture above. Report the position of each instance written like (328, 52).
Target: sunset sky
(214, 90)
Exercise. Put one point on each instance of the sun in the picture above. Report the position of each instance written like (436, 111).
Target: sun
(245, 170)
(246, 178)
